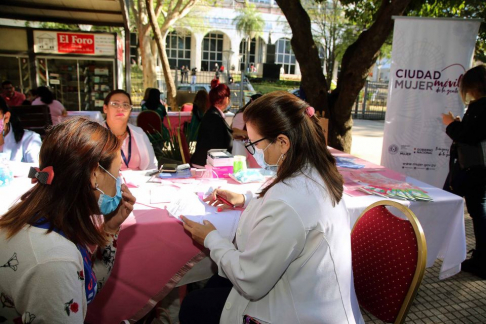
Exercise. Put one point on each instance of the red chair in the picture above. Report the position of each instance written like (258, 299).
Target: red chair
(186, 107)
(389, 255)
(150, 122)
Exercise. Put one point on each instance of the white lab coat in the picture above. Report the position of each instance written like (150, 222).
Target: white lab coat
(27, 150)
(147, 156)
(292, 260)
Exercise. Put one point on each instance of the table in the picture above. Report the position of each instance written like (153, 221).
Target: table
(155, 254)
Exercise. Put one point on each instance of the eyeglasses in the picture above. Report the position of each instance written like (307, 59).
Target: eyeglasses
(116, 105)
(250, 147)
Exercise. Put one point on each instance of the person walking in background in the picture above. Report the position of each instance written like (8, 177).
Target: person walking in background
(183, 68)
(45, 97)
(186, 75)
(467, 173)
(58, 243)
(17, 143)
(11, 97)
(193, 75)
(153, 103)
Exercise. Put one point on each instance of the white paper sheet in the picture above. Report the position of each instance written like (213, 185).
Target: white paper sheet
(191, 206)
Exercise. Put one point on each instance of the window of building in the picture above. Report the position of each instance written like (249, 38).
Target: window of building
(243, 53)
(285, 56)
(178, 49)
(212, 52)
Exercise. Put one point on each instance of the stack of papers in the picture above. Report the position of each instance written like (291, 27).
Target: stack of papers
(188, 204)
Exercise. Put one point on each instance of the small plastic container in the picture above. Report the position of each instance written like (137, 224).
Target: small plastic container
(6, 175)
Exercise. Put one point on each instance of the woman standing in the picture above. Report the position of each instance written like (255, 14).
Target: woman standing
(48, 273)
(17, 143)
(291, 261)
(467, 175)
(136, 150)
(45, 97)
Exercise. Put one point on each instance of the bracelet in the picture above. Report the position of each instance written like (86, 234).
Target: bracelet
(244, 199)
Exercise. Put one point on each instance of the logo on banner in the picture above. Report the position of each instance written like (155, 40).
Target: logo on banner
(393, 149)
(429, 80)
(75, 43)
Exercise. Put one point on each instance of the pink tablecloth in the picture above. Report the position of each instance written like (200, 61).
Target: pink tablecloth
(149, 264)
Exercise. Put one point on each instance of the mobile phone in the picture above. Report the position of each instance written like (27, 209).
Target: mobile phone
(225, 201)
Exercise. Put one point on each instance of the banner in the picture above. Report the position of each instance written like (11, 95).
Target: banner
(57, 42)
(429, 57)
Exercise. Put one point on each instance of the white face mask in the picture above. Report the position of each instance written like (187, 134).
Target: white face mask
(260, 159)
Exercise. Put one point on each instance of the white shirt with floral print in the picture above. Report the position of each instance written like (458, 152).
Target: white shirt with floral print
(42, 277)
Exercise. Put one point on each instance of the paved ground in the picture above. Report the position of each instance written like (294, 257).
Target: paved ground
(460, 299)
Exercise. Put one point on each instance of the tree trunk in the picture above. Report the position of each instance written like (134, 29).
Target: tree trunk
(148, 60)
(313, 81)
(169, 81)
(357, 60)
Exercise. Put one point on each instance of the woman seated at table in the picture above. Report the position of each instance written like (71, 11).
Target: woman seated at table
(199, 108)
(17, 143)
(136, 150)
(45, 97)
(153, 103)
(291, 262)
(214, 131)
(45, 240)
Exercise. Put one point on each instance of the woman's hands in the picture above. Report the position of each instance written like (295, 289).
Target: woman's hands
(198, 231)
(126, 206)
(449, 118)
(236, 199)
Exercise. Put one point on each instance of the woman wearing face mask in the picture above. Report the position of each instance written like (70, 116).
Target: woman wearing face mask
(18, 144)
(136, 150)
(51, 269)
(214, 131)
(467, 175)
(291, 262)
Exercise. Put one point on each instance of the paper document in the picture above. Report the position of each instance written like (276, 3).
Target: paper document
(188, 204)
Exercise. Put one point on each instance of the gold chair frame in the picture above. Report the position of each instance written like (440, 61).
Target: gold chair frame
(421, 257)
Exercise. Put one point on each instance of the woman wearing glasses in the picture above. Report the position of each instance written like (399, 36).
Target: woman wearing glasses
(136, 150)
(291, 262)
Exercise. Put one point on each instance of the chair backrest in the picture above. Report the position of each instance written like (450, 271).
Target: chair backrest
(389, 255)
(183, 145)
(36, 118)
(150, 122)
(186, 107)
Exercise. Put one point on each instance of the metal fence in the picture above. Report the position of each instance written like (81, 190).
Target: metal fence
(371, 101)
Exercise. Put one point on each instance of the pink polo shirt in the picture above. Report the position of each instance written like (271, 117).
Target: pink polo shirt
(55, 107)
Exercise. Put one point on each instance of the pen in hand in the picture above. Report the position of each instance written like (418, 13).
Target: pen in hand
(226, 202)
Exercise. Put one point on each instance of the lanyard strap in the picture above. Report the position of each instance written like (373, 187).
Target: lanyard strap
(89, 277)
(129, 149)
(129, 146)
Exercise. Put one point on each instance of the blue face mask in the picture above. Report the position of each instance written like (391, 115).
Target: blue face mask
(107, 203)
(260, 159)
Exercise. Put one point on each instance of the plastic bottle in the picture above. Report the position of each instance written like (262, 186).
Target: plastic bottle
(6, 175)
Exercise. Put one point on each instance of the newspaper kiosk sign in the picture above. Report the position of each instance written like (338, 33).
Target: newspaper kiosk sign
(53, 42)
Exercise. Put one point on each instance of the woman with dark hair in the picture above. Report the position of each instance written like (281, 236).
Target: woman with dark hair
(45, 97)
(467, 174)
(50, 273)
(199, 108)
(291, 262)
(214, 131)
(136, 150)
(17, 143)
(153, 103)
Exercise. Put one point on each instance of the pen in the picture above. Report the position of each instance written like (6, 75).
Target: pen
(225, 201)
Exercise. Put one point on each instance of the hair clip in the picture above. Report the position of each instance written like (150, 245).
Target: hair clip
(310, 111)
(43, 176)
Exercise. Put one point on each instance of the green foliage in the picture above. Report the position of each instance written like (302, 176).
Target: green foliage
(363, 13)
(249, 21)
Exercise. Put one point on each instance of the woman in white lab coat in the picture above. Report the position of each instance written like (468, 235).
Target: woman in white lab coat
(16, 143)
(291, 260)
